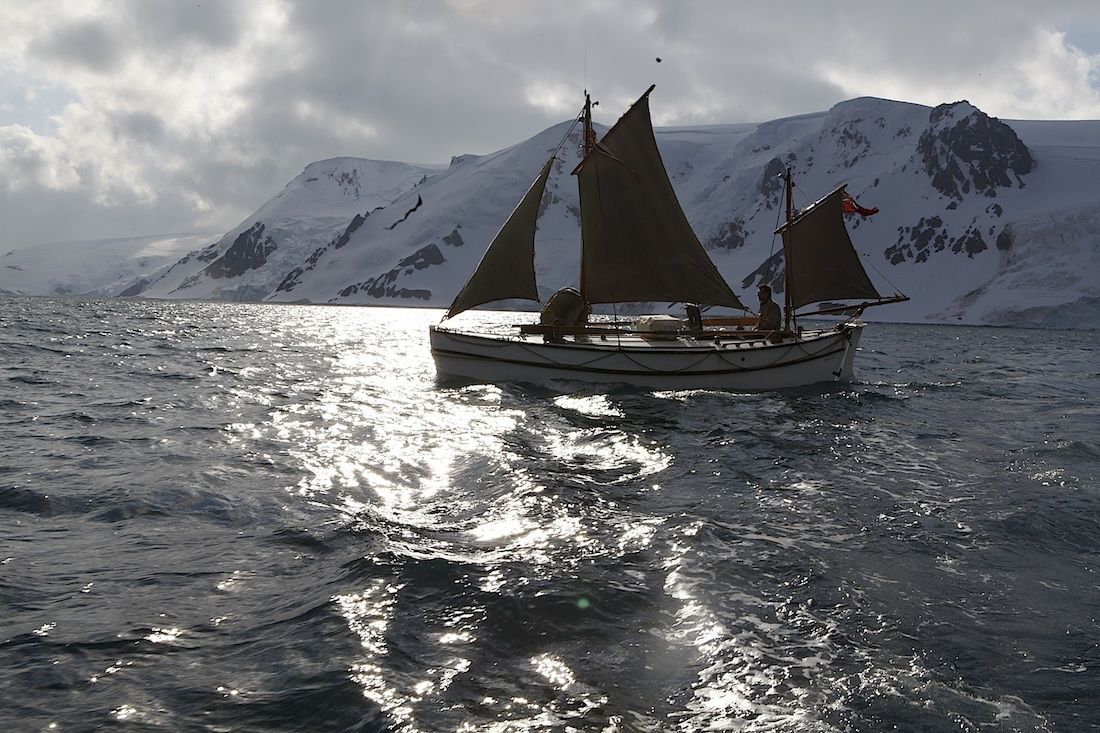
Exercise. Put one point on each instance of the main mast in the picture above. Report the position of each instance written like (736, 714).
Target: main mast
(788, 311)
(588, 144)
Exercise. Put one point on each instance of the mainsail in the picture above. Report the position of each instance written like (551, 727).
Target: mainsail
(507, 270)
(821, 262)
(637, 245)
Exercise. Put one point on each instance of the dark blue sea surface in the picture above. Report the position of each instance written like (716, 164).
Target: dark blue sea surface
(274, 518)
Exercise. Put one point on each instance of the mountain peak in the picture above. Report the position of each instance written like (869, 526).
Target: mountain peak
(963, 148)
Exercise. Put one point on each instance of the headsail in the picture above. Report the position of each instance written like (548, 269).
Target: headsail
(821, 262)
(637, 245)
(507, 270)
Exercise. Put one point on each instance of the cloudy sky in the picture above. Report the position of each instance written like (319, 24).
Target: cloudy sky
(122, 118)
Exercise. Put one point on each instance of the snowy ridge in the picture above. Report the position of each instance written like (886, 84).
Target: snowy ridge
(981, 221)
(251, 260)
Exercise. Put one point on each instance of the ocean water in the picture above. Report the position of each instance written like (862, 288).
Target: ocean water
(274, 518)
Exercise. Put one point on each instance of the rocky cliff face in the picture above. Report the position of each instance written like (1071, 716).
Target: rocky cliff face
(963, 150)
(966, 156)
(249, 251)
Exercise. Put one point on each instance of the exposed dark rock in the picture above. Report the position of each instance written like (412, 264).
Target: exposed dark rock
(770, 272)
(770, 184)
(385, 285)
(731, 235)
(294, 277)
(356, 222)
(424, 257)
(454, 238)
(1005, 239)
(963, 149)
(348, 181)
(925, 235)
(208, 253)
(419, 202)
(851, 142)
(929, 236)
(970, 242)
(549, 198)
(249, 251)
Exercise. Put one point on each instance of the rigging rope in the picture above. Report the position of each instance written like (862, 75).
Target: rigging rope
(565, 137)
(868, 258)
(771, 252)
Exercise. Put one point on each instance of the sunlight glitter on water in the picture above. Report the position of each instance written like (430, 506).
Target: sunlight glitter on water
(272, 517)
(590, 405)
(368, 615)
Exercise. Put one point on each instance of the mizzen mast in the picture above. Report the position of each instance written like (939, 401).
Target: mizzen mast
(588, 146)
(788, 309)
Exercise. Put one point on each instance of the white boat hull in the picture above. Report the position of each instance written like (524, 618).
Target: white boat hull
(676, 362)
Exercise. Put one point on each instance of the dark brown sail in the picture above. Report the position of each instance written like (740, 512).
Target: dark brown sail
(821, 262)
(637, 245)
(507, 270)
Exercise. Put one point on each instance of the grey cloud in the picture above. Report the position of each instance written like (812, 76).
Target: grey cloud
(213, 24)
(432, 80)
(92, 44)
(141, 126)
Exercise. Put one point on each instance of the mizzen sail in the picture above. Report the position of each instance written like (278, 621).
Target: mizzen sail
(507, 270)
(821, 262)
(637, 245)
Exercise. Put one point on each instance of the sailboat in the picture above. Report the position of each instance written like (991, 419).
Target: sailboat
(637, 246)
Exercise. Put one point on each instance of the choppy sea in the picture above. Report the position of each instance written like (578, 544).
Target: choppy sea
(221, 517)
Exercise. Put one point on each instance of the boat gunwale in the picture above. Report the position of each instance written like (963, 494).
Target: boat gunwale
(686, 373)
(711, 347)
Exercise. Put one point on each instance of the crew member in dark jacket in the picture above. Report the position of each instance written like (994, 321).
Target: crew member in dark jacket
(770, 316)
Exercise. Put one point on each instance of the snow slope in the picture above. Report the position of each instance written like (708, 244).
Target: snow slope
(98, 267)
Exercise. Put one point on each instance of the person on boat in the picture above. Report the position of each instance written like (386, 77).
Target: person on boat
(566, 307)
(770, 316)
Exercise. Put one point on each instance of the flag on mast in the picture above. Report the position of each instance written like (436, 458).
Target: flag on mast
(850, 206)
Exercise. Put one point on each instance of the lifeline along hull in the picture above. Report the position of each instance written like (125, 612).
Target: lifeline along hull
(673, 363)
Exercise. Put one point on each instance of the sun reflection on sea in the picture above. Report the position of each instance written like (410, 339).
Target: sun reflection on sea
(470, 476)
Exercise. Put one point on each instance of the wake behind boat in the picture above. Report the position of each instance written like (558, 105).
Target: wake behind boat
(637, 246)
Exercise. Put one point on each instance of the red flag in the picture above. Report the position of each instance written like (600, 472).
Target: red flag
(849, 206)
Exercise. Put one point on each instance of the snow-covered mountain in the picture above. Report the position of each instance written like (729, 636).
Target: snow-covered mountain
(97, 267)
(981, 221)
(252, 259)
